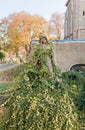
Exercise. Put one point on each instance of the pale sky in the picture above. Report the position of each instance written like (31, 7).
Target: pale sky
(43, 8)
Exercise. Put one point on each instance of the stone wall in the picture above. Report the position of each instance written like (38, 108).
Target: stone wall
(75, 20)
(68, 54)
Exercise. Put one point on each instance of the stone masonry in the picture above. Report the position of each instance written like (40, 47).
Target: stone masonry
(75, 20)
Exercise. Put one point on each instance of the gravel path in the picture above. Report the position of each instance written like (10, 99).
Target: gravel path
(5, 66)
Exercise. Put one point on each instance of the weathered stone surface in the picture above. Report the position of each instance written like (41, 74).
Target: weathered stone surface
(75, 20)
(68, 54)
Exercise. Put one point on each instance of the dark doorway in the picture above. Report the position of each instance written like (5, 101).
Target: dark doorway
(79, 68)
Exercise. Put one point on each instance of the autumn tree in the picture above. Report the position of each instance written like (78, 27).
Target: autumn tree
(38, 25)
(57, 21)
(17, 29)
(3, 33)
(20, 27)
(48, 29)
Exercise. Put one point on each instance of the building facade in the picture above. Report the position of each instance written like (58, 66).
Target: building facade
(74, 27)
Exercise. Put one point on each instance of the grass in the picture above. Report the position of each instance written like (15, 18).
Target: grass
(9, 75)
(5, 90)
(7, 87)
(9, 79)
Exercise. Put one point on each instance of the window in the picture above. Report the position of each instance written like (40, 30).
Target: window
(83, 12)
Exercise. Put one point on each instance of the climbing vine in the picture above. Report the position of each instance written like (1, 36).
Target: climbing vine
(40, 100)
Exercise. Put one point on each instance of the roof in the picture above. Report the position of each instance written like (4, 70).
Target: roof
(67, 2)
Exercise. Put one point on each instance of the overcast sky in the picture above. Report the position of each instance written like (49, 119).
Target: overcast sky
(43, 8)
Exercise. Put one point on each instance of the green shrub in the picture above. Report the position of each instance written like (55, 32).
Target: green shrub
(76, 85)
(76, 90)
(41, 100)
(81, 104)
(2, 55)
(74, 77)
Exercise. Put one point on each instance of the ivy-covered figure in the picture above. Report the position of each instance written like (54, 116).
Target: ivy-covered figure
(41, 100)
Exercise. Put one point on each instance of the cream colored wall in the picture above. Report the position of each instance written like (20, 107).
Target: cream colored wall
(68, 54)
